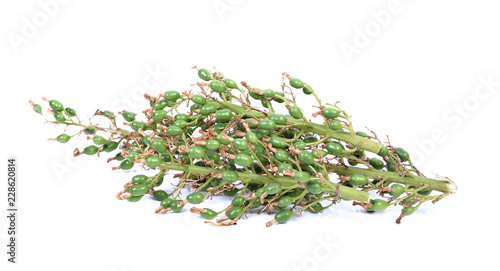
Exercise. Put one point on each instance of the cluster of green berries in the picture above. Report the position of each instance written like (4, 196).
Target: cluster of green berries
(263, 160)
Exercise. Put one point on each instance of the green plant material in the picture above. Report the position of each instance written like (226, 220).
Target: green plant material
(222, 144)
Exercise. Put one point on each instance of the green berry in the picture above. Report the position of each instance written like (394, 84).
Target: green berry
(229, 176)
(282, 155)
(90, 150)
(243, 160)
(358, 179)
(285, 201)
(252, 137)
(334, 148)
(217, 86)
(402, 154)
(278, 119)
(160, 105)
(63, 138)
(159, 115)
(208, 109)
(295, 112)
(136, 125)
(174, 130)
(238, 201)
(139, 189)
(273, 188)
(390, 166)
(283, 166)
(110, 146)
(195, 198)
(99, 140)
(37, 108)
(212, 144)
(89, 130)
(160, 195)
(396, 190)
(153, 161)
(204, 74)
(379, 205)
(172, 95)
(283, 216)
(235, 212)
(302, 176)
(306, 157)
(299, 145)
(269, 93)
(174, 206)
(253, 94)
(425, 192)
(330, 113)
(56, 105)
(267, 124)
(128, 116)
(159, 146)
(230, 83)
(196, 152)
(307, 89)
(126, 164)
(376, 163)
(71, 112)
(278, 142)
(296, 83)
(335, 125)
(108, 114)
(208, 213)
(59, 116)
(138, 179)
(199, 99)
(240, 144)
(313, 187)
(383, 151)
(224, 115)
(165, 203)
(408, 210)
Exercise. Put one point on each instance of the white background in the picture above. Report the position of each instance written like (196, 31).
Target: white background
(416, 74)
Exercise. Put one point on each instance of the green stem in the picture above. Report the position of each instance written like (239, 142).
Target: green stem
(286, 182)
(320, 129)
(445, 186)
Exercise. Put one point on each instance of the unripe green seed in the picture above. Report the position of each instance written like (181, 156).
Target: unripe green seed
(358, 179)
(217, 86)
(230, 83)
(110, 146)
(59, 116)
(90, 150)
(295, 112)
(56, 105)
(283, 216)
(37, 108)
(63, 138)
(153, 161)
(172, 95)
(296, 83)
(402, 154)
(313, 187)
(128, 116)
(229, 176)
(199, 99)
(160, 195)
(235, 212)
(204, 74)
(99, 140)
(195, 198)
